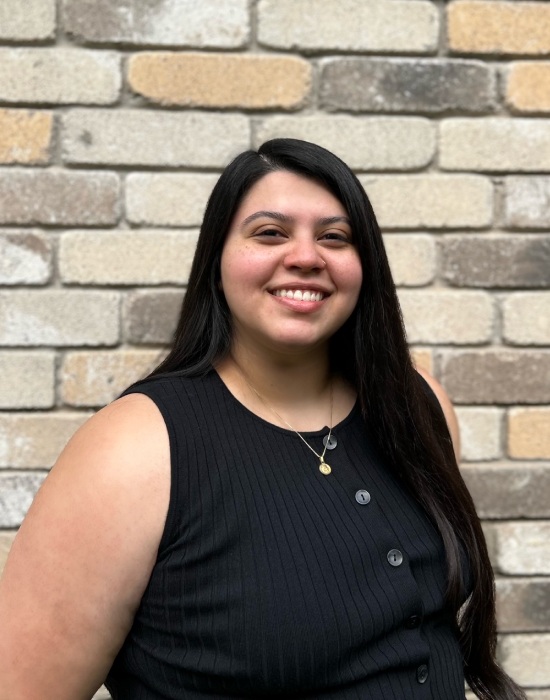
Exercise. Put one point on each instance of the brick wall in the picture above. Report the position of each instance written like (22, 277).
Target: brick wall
(116, 117)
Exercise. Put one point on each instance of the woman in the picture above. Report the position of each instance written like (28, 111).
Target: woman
(277, 509)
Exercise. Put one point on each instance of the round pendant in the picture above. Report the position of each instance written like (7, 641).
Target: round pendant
(324, 468)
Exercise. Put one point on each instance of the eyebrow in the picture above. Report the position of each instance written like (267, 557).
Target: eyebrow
(286, 219)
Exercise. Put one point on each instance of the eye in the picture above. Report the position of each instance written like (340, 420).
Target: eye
(269, 234)
(336, 238)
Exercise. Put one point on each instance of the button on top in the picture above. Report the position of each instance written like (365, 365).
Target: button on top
(422, 673)
(330, 441)
(362, 497)
(395, 557)
(413, 622)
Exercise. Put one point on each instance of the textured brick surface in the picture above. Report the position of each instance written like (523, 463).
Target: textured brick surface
(447, 316)
(144, 137)
(221, 80)
(495, 144)
(25, 136)
(404, 85)
(527, 318)
(25, 257)
(349, 25)
(16, 494)
(523, 605)
(375, 143)
(6, 541)
(126, 257)
(34, 440)
(412, 258)
(55, 317)
(529, 431)
(28, 379)
(29, 21)
(494, 26)
(430, 201)
(523, 548)
(528, 87)
(496, 376)
(499, 261)
(168, 199)
(480, 433)
(58, 198)
(525, 658)
(527, 202)
(60, 75)
(216, 23)
(509, 490)
(151, 317)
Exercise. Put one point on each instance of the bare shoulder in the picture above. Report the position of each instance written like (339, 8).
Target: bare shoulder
(84, 554)
(446, 407)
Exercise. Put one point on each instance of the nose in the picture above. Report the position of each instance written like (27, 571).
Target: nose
(304, 255)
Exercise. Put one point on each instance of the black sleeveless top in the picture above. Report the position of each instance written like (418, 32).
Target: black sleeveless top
(273, 580)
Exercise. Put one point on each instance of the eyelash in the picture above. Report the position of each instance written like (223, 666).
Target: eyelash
(330, 236)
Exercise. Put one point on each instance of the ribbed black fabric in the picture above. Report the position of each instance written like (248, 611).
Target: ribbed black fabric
(272, 580)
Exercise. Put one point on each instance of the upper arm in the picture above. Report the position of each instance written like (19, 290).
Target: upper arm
(446, 407)
(83, 556)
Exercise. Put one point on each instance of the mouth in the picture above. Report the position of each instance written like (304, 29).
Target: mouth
(300, 294)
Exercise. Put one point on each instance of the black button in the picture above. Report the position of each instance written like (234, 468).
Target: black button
(362, 497)
(395, 557)
(422, 673)
(413, 622)
(330, 441)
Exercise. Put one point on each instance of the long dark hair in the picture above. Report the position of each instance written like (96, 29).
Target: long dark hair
(371, 351)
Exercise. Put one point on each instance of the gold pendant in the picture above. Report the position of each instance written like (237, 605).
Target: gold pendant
(324, 468)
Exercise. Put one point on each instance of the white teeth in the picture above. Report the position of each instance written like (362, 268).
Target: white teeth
(299, 295)
(306, 296)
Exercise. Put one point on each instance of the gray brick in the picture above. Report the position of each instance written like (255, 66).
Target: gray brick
(147, 137)
(500, 261)
(186, 23)
(349, 25)
(523, 547)
(58, 198)
(151, 317)
(527, 203)
(59, 76)
(16, 494)
(523, 605)
(374, 143)
(25, 257)
(28, 379)
(406, 85)
(33, 20)
(503, 490)
(497, 376)
(59, 318)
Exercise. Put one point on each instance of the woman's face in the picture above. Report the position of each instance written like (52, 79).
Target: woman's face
(290, 272)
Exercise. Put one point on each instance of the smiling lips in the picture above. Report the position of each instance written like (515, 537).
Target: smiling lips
(299, 294)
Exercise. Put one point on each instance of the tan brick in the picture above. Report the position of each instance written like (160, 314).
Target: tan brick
(364, 143)
(126, 257)
(102, 694)
(480, 433)
(522, 548)
(96, 378)
(168, 199)
(525, 658)
(445, 316)
(59, 76)
(423, 358)
(475, 26)
(430, 201)
(527, 202)
(32, 20)
(59, 318)
(412, 258)
(147, 137)
(523, 605)
(150, 317)
(221, 80)
(58, 197)
(529, 433)
(34, 440)
(349, 25)
(526, 318)
(16, 493)
(528, 87)
(495, 144)
(28, 379)
(6, 541)
(25, 137)
(25, 257)
(213, 24)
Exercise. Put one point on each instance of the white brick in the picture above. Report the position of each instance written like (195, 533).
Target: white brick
(28, 379)
(412, 258)
(16, 494)
(6, 541)
(480, 433)
(527, 202)
(27, 21)
(525, 658)
(526, 318)
(523, 548)
(25, 257)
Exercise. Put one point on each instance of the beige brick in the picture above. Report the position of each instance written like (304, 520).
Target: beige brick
(58, 197)
(168, 199)
(423, 358)
(430, 201)
(412, 258)
(6, 541)
(529, 433)
(151, 316)
(522, 548)
(528, 87)
(147, 137)
(527, 202)
(59, 76)
(495, 144)
(445, 316)
(212, 24)
(25, 137)
(17, 489)
(97, 378)
(364, 143)
(25, 257)
(525, 658)
(28, 379)
(349, 25)
(126, 257)
(522, 604)
(34, 440)
(221, 80)
(538, 695)
(526, 318)
(475, 26)
(480, 433)
(32, 20)
(102, 694)
(59, 318)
